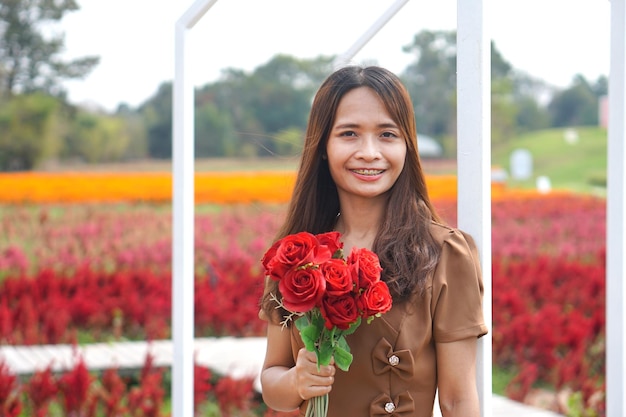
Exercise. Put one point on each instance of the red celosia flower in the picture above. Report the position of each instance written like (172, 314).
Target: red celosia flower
(233, 395)
(113, 390)
(75, 387)
(201, 384)
(146, 400)
(41, 389)
(10, 405)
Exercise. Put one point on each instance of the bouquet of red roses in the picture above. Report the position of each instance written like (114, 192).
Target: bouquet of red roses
(326, 294)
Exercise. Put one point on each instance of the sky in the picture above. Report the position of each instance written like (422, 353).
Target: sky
(552, 40)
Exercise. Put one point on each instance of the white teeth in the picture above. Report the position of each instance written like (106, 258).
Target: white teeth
(368, 171)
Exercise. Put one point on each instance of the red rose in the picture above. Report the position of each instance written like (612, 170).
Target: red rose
(302, 289)
(269, 264)
(338, 277)
(365, 267)
(339, 311)
(300, 249)
(331, 240)
(375, 299)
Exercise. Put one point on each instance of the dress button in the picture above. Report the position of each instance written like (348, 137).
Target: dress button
(394, 360)
(390, 407)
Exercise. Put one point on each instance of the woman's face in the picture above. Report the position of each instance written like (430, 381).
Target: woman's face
(365, 149)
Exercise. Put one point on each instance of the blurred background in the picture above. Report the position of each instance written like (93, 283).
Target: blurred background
(85, 182)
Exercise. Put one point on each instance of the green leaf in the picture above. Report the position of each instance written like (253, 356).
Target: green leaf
(331, 335)
(302, 322)
(343, 344)
(325, 354)
(353, 326)
(318, 321)
(343, 358)
(309, 337)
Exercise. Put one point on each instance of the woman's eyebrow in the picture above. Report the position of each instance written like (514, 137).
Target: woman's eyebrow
(346, 126)
(351, 125)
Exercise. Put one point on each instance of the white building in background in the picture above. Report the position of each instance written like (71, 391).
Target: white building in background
(603, 111)
(428, 147)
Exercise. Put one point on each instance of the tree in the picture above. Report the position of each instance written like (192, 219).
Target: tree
(30, 131)
(503, 110)
(431, 81)
(282, 94)
(96, 137)
(529, 94)
(230, 96)
(214, 132)
(30, 60)
(601, 87)
(514, 100)
(135, 128)
(289, 142)
(275, 97)
(530, 116)
(283, 89)
(241, 114)
(156, 113)
(577, 105)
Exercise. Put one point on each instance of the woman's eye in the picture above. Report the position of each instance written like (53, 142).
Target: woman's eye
(389, 135)
(347, 133)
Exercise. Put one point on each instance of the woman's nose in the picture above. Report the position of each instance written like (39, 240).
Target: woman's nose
(369, 149)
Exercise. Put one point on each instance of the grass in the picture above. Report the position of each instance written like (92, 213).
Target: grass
(578, 164)
(500, 379)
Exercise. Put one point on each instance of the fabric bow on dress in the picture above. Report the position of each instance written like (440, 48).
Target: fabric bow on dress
(400, 363)
(401, 406)
(385, 359)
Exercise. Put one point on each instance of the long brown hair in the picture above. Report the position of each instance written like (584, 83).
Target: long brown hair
(406, 249)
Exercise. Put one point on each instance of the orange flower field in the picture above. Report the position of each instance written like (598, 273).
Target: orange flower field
(210, 187)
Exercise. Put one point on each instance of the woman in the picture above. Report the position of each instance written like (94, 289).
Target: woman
(361, 175)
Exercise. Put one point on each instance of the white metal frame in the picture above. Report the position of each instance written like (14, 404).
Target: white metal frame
(345, 58)
(183, 216)
(474, 195)
(473, 63)
(615, 222)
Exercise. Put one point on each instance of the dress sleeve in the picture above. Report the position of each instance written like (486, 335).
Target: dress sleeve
(457, 291)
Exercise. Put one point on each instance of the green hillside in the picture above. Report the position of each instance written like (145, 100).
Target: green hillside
(573, 159)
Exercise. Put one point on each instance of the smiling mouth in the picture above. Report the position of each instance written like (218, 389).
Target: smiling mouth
(368, 171)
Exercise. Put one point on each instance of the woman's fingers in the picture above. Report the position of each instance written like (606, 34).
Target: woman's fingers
(311, 381)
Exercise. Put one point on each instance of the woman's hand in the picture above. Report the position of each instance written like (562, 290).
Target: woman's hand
(311, 382)
(286, 383)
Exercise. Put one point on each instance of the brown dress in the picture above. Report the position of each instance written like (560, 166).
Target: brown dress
(394, 369)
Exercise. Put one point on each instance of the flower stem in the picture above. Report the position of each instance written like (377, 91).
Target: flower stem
(317, 406)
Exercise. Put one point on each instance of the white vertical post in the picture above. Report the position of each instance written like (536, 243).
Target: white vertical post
(615, 224)
(344, 58)
(183, 217)
(183, 234)
(474, 160)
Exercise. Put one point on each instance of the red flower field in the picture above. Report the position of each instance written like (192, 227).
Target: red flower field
(91, 264)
